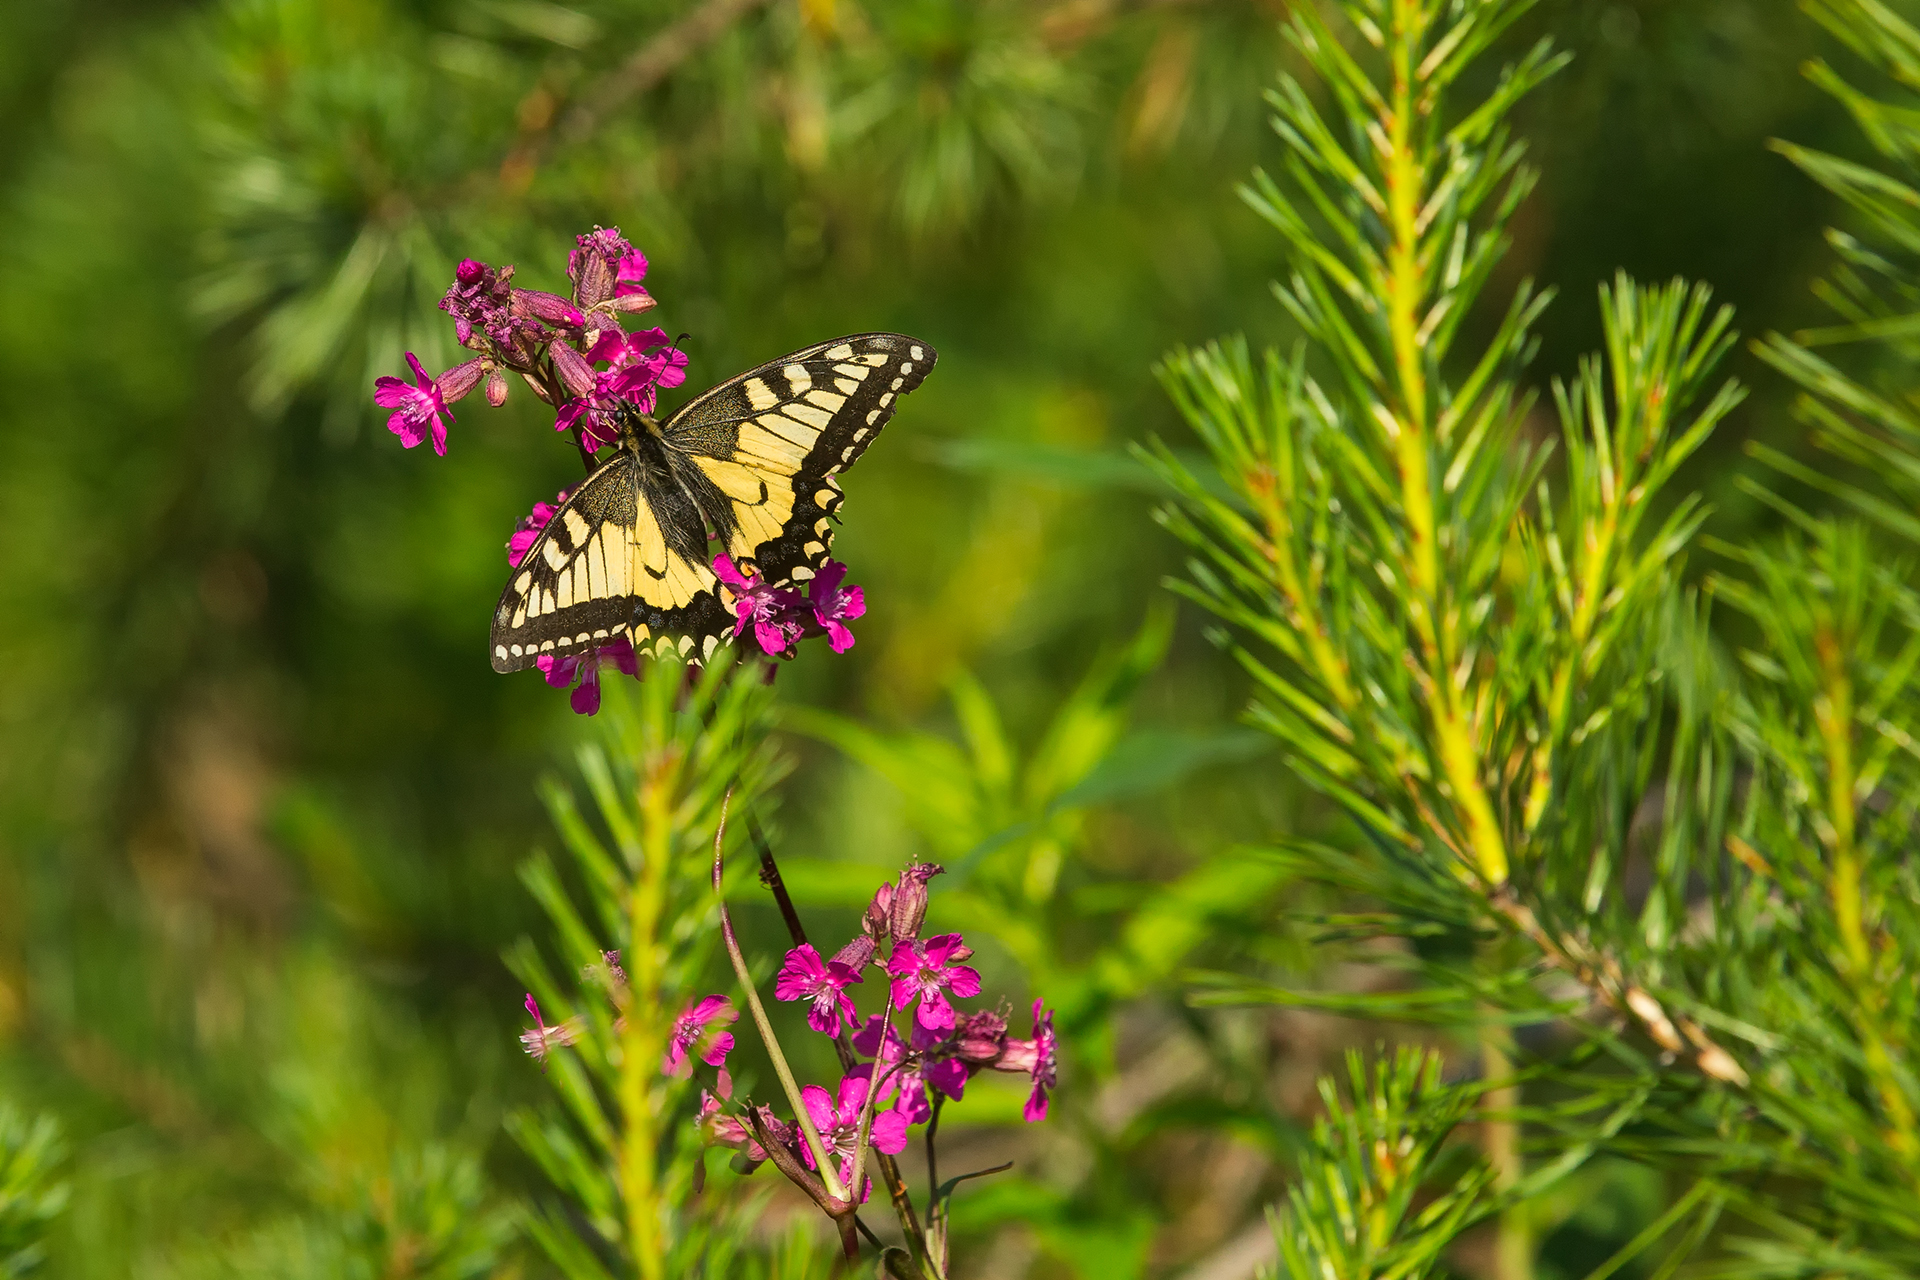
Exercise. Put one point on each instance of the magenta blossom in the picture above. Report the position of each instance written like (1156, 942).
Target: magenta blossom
(1037, 1057)
(527, 532)
(908, 1069)
(628, 273)
(640, 366)
(645, 359)
(839, 1126)
(694, 1036)
(805, 976)
(542, 1039)
(775, 612)
(585, 668)
(832, 607)
(480, 300)
(417, 409)
(926, 971)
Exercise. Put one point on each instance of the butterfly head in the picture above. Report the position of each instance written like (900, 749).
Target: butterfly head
(634, 425)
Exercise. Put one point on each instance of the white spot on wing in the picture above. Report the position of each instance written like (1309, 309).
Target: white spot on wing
(556, 558)
(841, 352)
(798, 379)
(826, 400)
(917, 353)
(857, 372)
(500, 651)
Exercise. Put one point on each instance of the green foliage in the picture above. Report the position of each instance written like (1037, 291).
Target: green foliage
(1380, 1191)
(1499, 673)
(31, 1195)
(625, 1150)
(264, 806)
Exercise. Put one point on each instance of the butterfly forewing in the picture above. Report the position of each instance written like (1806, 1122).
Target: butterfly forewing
(747, 468)
(771, 441)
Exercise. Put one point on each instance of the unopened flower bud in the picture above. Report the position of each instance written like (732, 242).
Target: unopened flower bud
(878, 922)
(551, 307)
(575, 373)
(638, 300)
(910, 900)
(980, 1037)
(462, 378)
(858, 954)
(496, 388)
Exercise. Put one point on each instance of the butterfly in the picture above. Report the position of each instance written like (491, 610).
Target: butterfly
(745, 469)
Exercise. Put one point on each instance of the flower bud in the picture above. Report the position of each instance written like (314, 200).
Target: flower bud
(496, 388)
(462, 378)
(910, 900)
(575, 373)
(858, 954)
(980, 1037)
(638, 300)
(877, 923)
(551, 307)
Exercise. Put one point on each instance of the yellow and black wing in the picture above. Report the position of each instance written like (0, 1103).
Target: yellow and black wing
(747, 469)
(766, 445)
(624, 558)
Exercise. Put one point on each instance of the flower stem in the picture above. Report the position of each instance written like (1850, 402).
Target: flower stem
(897, 1189)
(828, 1174)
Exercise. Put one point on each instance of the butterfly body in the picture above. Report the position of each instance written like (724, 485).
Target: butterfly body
(744, 470)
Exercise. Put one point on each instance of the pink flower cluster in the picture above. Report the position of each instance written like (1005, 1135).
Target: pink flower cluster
(943, 1046)
(552, 342)
(781, 617)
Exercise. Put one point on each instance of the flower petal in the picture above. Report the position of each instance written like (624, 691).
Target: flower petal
(889, 1132)
(819, 1105)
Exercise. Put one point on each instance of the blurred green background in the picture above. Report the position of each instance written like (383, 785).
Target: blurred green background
(262, 799)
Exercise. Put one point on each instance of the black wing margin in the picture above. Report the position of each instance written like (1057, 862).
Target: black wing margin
(791, 425)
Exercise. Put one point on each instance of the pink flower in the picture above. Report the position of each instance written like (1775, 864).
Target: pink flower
(834, 608)
(908, 1068)
(480, 300)
(926, 972)
(543, 1039)
(693, 1038)
(561, 672)
(805, 976)
(839, 1126)
(773, 611)
(627, 275)
(417, 409)
(527, 532)
(639, 368)
(1037, 1057)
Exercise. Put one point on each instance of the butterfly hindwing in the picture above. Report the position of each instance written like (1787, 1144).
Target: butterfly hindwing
(603, 569)
(771, 441)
